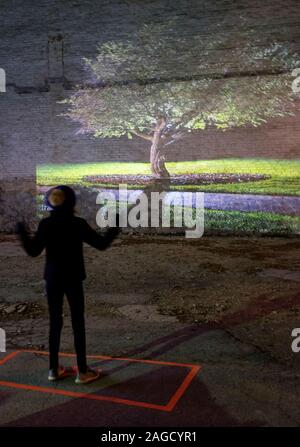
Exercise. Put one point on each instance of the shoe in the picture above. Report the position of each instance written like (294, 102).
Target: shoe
(87, 377)
(56, 374)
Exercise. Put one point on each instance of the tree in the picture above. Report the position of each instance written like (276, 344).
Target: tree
(140, 86)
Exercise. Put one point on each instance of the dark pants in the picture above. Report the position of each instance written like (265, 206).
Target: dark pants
(55, 295)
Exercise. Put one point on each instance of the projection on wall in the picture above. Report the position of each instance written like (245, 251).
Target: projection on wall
(160, 90)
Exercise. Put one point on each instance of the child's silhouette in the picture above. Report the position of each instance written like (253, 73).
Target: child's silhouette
(63, 234)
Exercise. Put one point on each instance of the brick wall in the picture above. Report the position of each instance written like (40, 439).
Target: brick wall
(42, 44)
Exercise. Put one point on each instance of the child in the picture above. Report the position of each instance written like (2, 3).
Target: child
(63, 234)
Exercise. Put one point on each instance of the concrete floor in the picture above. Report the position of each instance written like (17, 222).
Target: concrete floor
(240, 336)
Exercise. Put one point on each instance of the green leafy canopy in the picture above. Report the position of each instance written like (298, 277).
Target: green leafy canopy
(144, 78)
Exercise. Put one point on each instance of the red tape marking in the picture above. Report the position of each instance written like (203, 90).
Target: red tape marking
(194, 369)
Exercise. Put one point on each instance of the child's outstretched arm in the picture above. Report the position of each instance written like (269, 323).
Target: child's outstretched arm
(101, 242)
(32, 245)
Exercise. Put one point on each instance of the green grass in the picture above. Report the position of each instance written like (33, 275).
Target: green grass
(237, 222)
(285, 174)
(234, 222)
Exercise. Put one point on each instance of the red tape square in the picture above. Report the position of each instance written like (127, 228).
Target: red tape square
(193, 371)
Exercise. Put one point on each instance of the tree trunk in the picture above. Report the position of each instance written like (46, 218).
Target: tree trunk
(157, 160)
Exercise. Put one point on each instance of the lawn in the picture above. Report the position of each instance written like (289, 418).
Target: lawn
(237, 222)
(285, 174)
(234, 222)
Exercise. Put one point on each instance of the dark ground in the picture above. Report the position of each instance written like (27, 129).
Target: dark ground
(228, 304)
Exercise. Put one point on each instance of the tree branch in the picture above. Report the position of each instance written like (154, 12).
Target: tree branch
(142, 135)
(176, 136)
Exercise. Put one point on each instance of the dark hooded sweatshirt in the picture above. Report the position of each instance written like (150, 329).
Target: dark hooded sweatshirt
(62, 235)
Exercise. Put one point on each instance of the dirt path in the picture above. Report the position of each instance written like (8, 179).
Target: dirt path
(287, 205)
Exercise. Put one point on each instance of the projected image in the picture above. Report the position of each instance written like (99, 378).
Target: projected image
(250, 195)
(162, 94)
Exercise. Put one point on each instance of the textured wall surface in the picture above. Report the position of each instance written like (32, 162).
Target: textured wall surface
(42, 44)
